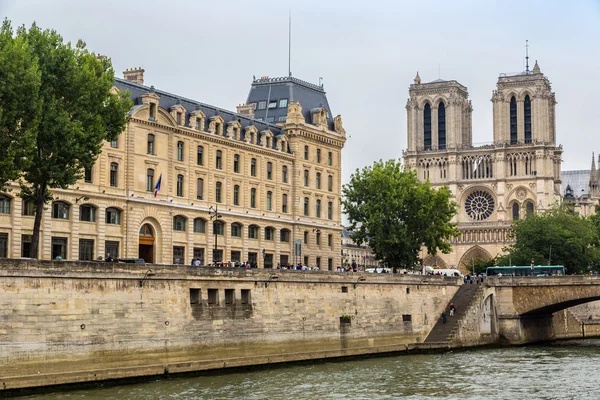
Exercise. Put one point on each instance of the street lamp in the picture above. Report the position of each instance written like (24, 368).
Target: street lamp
(215, 216)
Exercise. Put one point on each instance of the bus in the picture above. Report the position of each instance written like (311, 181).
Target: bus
(525, 270)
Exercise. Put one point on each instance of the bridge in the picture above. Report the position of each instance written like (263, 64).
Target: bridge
(518, 310)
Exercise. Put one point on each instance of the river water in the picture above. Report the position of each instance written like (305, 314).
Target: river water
(564, 370)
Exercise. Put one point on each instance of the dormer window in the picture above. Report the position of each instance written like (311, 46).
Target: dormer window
(198, 123)
(283, 103)
(262, 105)
(273, 104)
(152, 115)
(180, 118)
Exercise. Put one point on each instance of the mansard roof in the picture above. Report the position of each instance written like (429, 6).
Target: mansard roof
(168, 100)
(310, 96)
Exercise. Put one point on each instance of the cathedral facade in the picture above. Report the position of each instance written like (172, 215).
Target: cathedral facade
(493, 184)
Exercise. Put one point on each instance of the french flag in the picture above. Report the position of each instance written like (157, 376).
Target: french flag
(157, 187)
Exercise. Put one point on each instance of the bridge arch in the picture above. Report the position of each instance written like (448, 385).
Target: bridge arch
(487, 320)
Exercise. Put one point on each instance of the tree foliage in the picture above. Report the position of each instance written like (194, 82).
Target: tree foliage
(72, 115)
(558, 237)
(396, 214)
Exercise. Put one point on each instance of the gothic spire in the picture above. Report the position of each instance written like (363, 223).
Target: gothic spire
(417, 79)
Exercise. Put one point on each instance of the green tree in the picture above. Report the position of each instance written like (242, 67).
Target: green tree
(19, 103)
(396, 214)
(558, 237)
(76, 114)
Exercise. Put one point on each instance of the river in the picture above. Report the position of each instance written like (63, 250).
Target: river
(563, 370)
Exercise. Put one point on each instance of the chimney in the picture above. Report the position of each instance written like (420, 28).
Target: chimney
(244, 109)
(135, 75)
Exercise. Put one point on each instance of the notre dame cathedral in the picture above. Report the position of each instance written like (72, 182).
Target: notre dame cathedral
(493, 184)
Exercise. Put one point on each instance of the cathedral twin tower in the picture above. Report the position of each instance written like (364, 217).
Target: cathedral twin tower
(493, 184)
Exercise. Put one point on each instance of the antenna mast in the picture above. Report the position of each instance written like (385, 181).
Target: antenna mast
(290, 46)
(526, 55)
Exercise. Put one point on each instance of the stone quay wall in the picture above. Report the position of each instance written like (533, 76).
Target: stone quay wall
(77, 312)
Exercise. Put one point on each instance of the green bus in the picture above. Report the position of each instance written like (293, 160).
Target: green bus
(525, 270)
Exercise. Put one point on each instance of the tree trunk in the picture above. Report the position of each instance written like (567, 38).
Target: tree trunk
(40, 200)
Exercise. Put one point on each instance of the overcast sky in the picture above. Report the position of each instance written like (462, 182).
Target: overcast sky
(366, 52)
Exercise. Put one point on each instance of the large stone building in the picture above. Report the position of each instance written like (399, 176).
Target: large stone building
(352, 253)
(272, 170)
(494, 183)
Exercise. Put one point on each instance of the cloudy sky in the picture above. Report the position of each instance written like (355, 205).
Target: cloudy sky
(366, 52)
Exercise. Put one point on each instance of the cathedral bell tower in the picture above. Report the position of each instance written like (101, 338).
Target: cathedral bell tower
(439, 115)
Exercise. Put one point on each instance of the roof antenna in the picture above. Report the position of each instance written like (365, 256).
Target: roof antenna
(527, 56)
(290, 45)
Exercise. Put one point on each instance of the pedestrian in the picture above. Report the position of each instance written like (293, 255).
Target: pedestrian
(197, 262)
(452, 309)
(443, 317)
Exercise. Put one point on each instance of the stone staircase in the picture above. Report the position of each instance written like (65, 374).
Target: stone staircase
(444, 333)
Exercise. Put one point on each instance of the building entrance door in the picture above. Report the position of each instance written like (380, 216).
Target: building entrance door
(146, 248)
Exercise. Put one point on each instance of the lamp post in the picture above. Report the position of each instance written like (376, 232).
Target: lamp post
(213, 212)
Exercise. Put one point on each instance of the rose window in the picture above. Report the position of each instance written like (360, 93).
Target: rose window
(479, 205)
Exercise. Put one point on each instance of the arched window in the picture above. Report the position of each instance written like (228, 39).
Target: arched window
(219, 228)
(318, 155)
(199, 225)
(269, 201)
(150, 149)
(236, 195)
(179, 223)
(179, 151)
(306, 204)
(305, 237)
(305, 177)
(253, 232)
(146, 231)
(200, 155)
(180, 185)
(114, 174)
(87, 213)
(113, 216)
(269, 233)
(60, 210)
(427, 127)
(284, 235)
(529, 208)
(330, 210)
(219, 160)
(236, 230)
(513, 120)
(318, 180)
(269, 170)
(318, 208)
(149, 180)
(527, 117)
(515, 211)
(236, 163)
(4, 204)
(284, 174)
(218, 187)
(199, 188)
(253, 198)
(284, 203)
(441, 126)
(253, 167)
(306, 152)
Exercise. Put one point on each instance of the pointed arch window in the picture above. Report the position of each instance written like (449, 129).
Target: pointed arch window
(515, 211)
(441, 126)
(513, 120)
(529, 208)
(527, 118)
(427, 127)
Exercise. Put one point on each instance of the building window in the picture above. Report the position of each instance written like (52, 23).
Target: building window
(306, 152)
(284, 203)
(269, 170)
(441, 126)
(329, 240)
(318, 238)
(150, 144)
(179, 151)
(306, 203)
(200, 188)
(114, 173)
(305, 177)
(218, 192)
(29, 207)
(236, 230)
(112, 248)
(4, 204)
(305, 237)
(284, 235)
(273, 104)
(330, 158)
(284, 174)
(198, 123)
(179, 223)
(269, 233)
(219, 228)
(199, 225)
(253, 198)
(59, 248)
(26, 246)
(269, 201)
(115, 143)
(180, 185)
(270, 119)
(219, 160)
(200, 155)
(152, 112)
(253, 232)
(318, 182)
(262, 105)
(236, 195)
(318, 208)
(330, 183)
(60, 210)
(318, 155)
(282, 118)
(87, 175)
(178, 254)
(427, 127)
(529, 208)
(513, 120)
(253, 167)
(236, 163)
(515, 211)
(330, 210)
(113, 216)
(527, 117)
(283, 103)
(86, 249)
(87, 213)
(149, 180)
